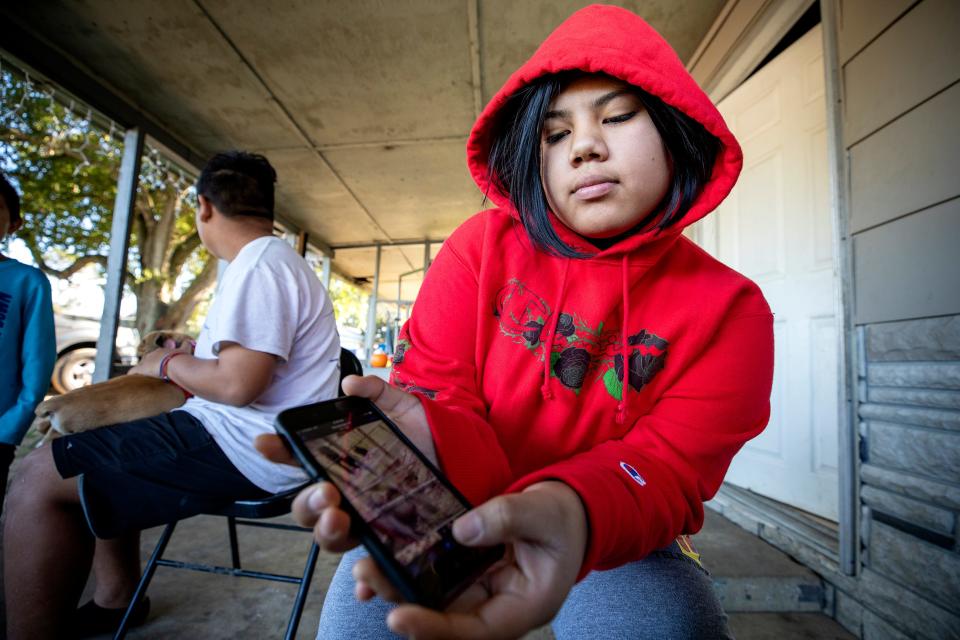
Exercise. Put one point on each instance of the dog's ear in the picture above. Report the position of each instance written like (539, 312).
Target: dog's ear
(149, 342)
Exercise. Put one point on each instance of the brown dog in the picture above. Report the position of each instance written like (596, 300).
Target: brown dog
(120, 399)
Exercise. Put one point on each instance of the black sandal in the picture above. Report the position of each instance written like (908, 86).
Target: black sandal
(92, 620)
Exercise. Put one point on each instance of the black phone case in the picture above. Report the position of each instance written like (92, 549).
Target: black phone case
(394, 571)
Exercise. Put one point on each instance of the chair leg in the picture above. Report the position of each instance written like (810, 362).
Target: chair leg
(302, 593)
(145, 580)
(234, 545)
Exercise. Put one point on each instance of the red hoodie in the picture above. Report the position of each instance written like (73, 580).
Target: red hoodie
(519, 357)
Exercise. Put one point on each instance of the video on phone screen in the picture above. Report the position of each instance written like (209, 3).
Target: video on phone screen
(410, 510)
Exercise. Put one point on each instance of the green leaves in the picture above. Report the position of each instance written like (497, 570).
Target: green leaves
(612, 383)
(66, 168)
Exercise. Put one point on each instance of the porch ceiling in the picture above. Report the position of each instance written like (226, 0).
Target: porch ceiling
(363, 106)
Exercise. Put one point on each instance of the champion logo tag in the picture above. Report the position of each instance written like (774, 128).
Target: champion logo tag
(633, 473)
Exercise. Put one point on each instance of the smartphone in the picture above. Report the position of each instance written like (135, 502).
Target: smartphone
(401, 506)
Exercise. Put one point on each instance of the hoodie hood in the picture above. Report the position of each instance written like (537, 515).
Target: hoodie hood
(614, 41)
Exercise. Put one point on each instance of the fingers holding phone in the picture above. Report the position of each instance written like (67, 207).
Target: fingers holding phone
(403, 408)
(427, 546)
(527, 589)
(384, 490)
(521, 592)
(317, 506)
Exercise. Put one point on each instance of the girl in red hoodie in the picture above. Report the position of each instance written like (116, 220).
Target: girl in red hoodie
(575, 365)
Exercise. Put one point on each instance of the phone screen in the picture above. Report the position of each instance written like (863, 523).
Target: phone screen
(404, 502)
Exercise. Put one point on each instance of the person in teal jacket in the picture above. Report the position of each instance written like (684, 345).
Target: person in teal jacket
(27, 341)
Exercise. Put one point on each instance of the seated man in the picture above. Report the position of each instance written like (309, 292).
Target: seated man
(269, 342)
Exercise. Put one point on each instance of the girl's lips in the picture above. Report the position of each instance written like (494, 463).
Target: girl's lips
(593, 191)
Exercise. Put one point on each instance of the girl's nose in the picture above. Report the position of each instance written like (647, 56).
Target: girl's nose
(588, 144)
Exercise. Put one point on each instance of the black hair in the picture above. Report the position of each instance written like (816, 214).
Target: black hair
(514, 160)
(238, 183)
(11, 198)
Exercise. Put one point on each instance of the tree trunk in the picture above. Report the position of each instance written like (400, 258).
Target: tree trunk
(149, 306)
(175, 314)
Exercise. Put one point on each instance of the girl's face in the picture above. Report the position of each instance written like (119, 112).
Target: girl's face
(603, 164)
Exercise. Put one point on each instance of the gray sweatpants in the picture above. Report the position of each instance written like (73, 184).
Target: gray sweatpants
(664, 596)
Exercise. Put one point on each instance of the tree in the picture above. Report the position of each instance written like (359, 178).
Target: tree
(349, 303)
(174, 272)
(67, 166)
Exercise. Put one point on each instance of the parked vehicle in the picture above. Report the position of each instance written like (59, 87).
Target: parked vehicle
(77, 350)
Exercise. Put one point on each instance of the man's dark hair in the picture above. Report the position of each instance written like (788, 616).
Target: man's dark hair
(514, 162)
(11, 198)
(238, 183)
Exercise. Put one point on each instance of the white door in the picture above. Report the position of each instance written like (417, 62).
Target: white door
(775, 228)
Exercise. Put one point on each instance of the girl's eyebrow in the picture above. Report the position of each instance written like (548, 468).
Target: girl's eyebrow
(599, 102)
(607, 97)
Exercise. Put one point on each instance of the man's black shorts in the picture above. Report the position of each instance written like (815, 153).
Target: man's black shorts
(144, 473)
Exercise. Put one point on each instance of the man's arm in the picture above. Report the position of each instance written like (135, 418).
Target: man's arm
(237, 377)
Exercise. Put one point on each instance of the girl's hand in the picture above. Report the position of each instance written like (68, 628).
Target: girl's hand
(318, 506)
(403, 408)
(545, 528)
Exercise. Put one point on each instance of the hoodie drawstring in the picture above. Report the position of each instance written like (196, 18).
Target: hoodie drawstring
(545, 390)
(554, 320)
(624, 348)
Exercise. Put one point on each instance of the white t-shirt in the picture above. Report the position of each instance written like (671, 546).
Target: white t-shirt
(269, 300)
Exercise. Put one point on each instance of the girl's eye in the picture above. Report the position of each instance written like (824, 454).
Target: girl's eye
(621, 118)
(553, 138)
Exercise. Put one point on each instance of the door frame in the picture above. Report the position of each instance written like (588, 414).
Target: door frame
(742, 35)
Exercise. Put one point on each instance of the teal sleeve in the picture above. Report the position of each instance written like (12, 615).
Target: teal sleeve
(38, 351)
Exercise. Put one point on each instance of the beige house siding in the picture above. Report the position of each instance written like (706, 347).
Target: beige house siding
(908, 165)
(900, 95)
(902, 137)
(898, 256)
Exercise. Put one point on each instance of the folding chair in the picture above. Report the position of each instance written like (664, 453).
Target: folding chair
(244, 512)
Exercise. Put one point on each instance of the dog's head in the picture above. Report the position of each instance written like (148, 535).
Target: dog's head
(162, 339)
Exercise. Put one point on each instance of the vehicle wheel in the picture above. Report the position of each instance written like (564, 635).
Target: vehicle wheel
(74, 369)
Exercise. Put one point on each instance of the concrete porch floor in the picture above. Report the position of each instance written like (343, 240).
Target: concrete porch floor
(753, 579)
(765, 593)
